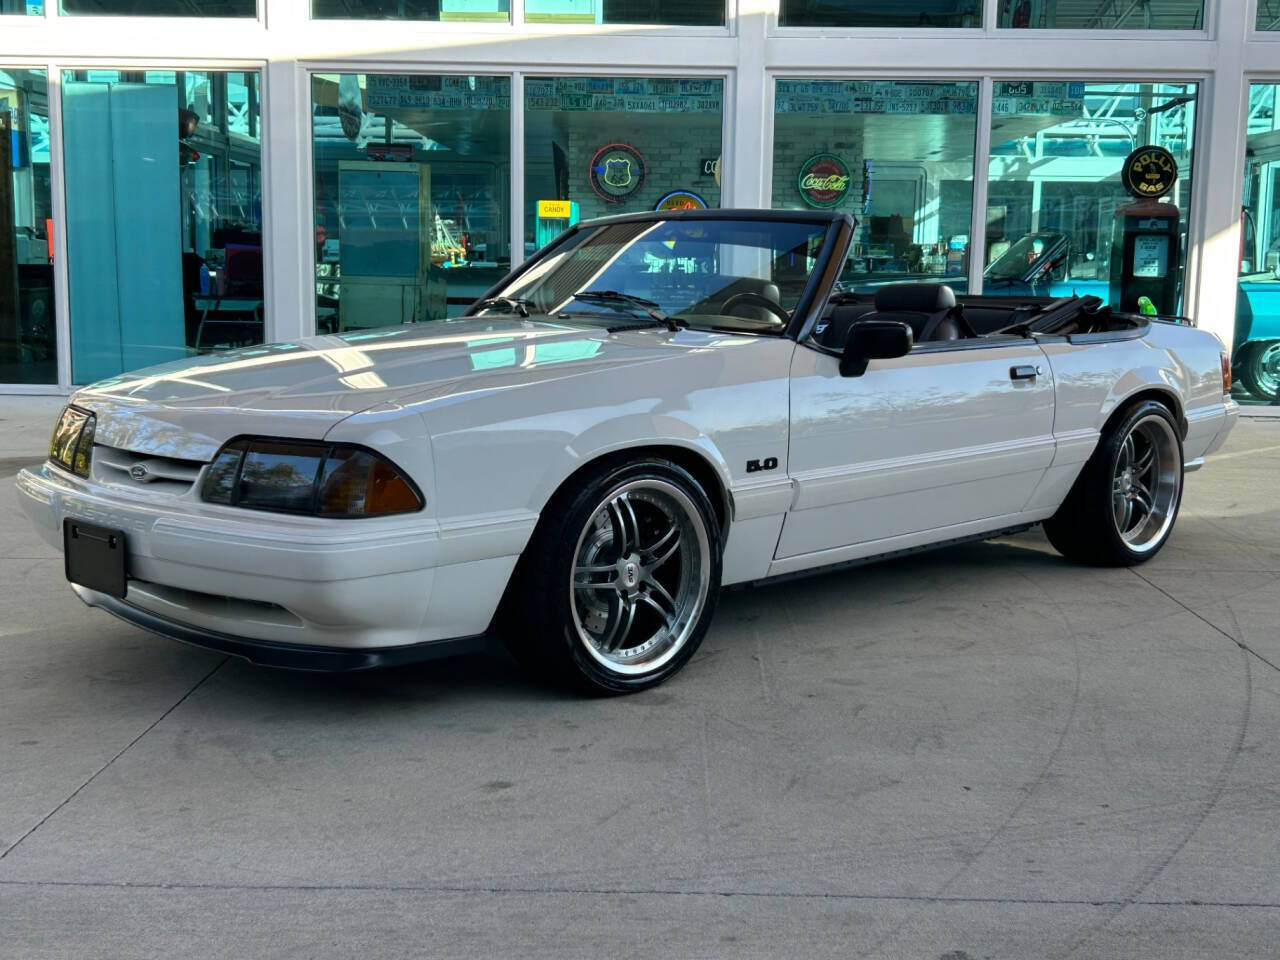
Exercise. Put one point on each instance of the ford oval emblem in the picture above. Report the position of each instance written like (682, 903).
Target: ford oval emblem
(139, 472)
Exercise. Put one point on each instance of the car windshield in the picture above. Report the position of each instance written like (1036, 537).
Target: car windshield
(742, 275)
(1027, 256)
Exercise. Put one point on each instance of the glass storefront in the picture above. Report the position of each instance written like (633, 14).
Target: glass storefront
(411, 195)
(1104, 14)
(164, 248)
(597, 146)
(463, 10)
(676, 12)
(414, 200)
(159, 8)
(877, 13)
(1055, 191)
(898, 155)
(1256, 353)
(28, 330)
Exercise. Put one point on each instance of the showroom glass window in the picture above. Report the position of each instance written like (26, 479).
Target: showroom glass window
(472, 11)
(598, 146)
(878, 13)
(1104, 14)
(689, 13)
(412, 197)
(898, 156)
(246, 9)
(1256, 351)
(28, 340)
(1268, 15)
(164, 216)
(1055, 191)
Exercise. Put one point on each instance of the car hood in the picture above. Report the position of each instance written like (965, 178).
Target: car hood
(188, 409)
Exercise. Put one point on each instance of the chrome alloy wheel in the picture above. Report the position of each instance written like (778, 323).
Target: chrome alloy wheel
(640, 576)
(1145, 484)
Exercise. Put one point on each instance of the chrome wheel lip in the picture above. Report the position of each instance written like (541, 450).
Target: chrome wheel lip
(689, 601)
(1146, 483)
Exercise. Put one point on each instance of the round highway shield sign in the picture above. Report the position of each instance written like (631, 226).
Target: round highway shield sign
(824, 180)
(617, 171)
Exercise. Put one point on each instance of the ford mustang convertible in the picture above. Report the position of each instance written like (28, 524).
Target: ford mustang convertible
(651, 408)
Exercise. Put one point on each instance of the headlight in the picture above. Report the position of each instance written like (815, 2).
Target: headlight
(328, 479)
(72, 445)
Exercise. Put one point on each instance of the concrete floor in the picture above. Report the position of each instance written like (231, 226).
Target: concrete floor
(979, 753)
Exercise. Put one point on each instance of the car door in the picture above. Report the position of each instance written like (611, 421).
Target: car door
(946, 441)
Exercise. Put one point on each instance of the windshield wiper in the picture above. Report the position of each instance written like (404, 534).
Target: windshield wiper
(650, 307)
(518, 305)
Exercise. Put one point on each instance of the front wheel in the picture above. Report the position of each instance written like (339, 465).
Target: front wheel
(1123, 505)
(617, 587)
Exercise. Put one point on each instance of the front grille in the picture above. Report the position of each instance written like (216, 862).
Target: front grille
(144, 471)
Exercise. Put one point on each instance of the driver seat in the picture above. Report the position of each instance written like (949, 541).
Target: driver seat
(763, 288)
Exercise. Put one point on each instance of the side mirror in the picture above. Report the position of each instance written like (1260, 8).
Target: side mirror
(874, 340)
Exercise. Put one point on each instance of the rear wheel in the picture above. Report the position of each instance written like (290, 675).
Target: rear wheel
(1123, 505)
(1260, 370)
(618, 584)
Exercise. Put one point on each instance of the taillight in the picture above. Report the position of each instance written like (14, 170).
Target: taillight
(1226, 373)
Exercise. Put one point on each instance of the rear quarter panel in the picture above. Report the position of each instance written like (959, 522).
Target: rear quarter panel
(1094, 380)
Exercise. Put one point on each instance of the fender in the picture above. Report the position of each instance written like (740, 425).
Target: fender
(496, 459)
(632, 433)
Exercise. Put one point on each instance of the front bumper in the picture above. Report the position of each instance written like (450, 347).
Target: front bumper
(285, 590)
(288, 656)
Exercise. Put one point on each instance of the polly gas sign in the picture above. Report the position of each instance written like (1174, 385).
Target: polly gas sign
(824, 180)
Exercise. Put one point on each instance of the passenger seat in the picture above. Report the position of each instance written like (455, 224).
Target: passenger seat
(930, 309)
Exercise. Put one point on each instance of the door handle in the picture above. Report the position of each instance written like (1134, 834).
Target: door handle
(1027, 372)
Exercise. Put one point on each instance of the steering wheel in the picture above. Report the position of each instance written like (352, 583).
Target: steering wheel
(756, 300)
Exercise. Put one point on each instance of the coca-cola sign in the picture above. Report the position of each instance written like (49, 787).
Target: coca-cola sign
(824, 180)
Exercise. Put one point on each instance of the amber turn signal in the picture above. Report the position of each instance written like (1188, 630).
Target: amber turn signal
(286, 476)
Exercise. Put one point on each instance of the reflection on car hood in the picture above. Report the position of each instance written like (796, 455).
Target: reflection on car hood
(301, 389)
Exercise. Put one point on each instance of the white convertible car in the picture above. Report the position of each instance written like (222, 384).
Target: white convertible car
(651, 408)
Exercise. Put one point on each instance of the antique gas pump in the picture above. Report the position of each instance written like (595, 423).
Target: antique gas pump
(1145, 247)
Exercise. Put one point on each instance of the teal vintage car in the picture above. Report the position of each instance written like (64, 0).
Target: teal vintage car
(1255, 360)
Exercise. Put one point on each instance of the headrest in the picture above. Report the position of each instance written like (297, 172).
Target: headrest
(915, 297)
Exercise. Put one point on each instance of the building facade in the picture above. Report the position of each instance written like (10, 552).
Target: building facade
(178, 176)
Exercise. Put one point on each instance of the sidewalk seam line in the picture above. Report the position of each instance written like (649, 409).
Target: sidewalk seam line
(74, 793)
(1207, 622)
(623, 891)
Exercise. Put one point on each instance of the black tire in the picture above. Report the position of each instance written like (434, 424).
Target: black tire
(1257, 369)
(545, 620)
(1086, 527)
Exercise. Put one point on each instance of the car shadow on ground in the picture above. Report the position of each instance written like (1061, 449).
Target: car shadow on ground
(495, 676)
